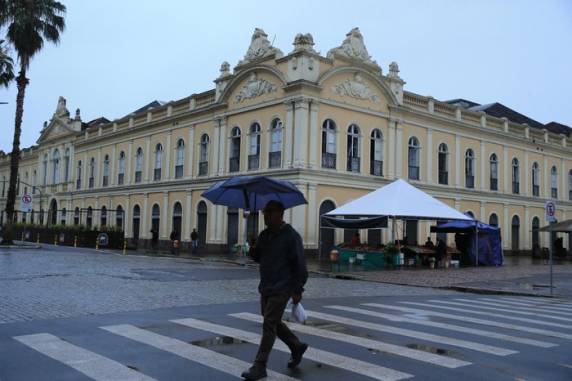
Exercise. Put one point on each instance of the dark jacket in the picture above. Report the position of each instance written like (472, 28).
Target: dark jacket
(282, 262)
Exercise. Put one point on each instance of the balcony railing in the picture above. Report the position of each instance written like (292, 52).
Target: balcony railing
(120, 178)
(376, 168)
(137, 176)
(535, 190)
(554, 192)
(203, 168)
(328, 160)
(274, 159)
(253, 162)
(515, 187)
(443, 178)
(413, 173)
(494, 184)
(353, 164)
(469, 181)
(234, 164)
(157, 174)
(179, 171)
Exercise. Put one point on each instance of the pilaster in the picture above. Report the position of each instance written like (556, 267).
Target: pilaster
(214, 155)
(191, 151)
(164, 216)
(188, 220)
(457, 161)
(147, 155)
(222, 144)
(144, 233)
(168, 154)
(398, 151)
(314, 131)
(288, 135)
(301, 133)
(312, 231)
(481, 181)
(129, 159)
(429, 156)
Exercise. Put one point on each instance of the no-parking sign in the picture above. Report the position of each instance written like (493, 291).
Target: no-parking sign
(550, 211)
(26, 203)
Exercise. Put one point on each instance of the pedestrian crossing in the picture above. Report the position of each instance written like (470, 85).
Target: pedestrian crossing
(380, 326)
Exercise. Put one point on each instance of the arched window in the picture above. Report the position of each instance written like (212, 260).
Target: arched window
(136, 223)
(180, 159)
(470, 214)
(535, 233)
(103, 217)
(413, 158)
(515, 242)
(34, 181)
(76, 216)
(469, 168)
(56, 167)
(138, 165)
(275, 154)
(78, 175)
(158, 162)
(89, 217)
(494, 172)
(254, 147)
(234, 159)
(67, 165)
(443, 164)
(177, 218)
(119, 217)
(494, 220)
(45, 169)
(353, 149)
(155, 218)
(535, 179)
(91, 172)
(570, 188)
(554, 182)
(329, 144)
(105, 179)
(121, 169)
(204, 156)
(515, 176)
(376, 153)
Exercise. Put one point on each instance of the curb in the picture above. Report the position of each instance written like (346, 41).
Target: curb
(492, 291)
(20, 246)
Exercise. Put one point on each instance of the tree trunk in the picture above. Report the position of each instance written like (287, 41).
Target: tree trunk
(21, 81)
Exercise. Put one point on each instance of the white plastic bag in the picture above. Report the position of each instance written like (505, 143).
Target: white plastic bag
(298, 313)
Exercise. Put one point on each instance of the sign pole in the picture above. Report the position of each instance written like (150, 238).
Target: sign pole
(550, 216)
(550, 259)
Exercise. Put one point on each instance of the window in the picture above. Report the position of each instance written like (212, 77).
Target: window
(89, 217)
(469, 168)
(413, 158)
(535, 179)
(234, 159)
(136, 222)
(570, 187)
(63, 216)
(494, 175)
(515, 242)
(138, 165)
(177, 218)
(376, 153)
(535, 233)
(78, 176)
(105, 180)
(67, 166)
(515, 176)
(76, 216)
(119, 217)
(275, 154)
(353, 150)
(180, 159)
(56, 167)
(45, 169)
(443, 164)
(34, 180)
(103, 217)
(158, 162)
(329, 144)
(494, 220)
(155, 218)
(91, 172)
(554, 182)
(254, 147)
(204, 155)
(121, 169)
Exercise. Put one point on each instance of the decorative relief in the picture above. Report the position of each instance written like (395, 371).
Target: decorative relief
(254, 88)
(259, 47)
(355, 88)
(353, 47)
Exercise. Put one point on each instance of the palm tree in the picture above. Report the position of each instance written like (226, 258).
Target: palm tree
(6, 66)
(28, 23)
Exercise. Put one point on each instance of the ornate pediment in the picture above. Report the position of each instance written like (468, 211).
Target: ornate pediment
(254, 88)
(353, 48)
(259, 48)
(355, 88)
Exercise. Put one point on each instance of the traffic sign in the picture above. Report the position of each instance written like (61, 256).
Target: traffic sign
(103, 239)
(26, 203)
(550, 211)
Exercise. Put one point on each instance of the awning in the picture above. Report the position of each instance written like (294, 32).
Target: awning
(354, 223)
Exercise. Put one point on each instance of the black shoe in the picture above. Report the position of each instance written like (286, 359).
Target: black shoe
(255, 372)
(297, 355)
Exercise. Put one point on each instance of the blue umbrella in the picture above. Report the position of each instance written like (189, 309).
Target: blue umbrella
(253, 193)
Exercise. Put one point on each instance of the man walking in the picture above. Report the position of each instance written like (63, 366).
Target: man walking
(283, 273)
(194, 241)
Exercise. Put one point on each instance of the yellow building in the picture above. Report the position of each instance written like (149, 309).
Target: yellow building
(337, 126)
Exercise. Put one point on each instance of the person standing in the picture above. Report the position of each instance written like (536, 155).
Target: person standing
(154, 238)
(283, 274)
(194, 241)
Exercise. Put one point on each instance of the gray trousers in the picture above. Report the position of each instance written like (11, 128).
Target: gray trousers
(272, 308)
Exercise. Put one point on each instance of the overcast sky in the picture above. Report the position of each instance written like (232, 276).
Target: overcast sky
(116, 56)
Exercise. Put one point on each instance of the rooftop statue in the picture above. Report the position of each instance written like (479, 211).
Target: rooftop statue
(353, 48)
(61, 110)
(259, 47)
(304, 42)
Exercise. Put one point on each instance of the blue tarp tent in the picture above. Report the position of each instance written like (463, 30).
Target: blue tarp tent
(489, 240)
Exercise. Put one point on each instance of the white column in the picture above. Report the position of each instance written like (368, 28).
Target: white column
(288, 135)
(96, 213)
(188, 220)
(399, 149)
(98, 172)
(222, 146)
(457, 161)
(301, 134)
(168, 154)
(527, 244)
(144, 233)
(127, 216)
(85, 172)
(211, 220)
(113, 166)
(299, 216)
(545, 179)
(391, 151)
(191, 151)
(507, 234)
(527, 172)
(506, 171)
(563, 192)
(129, 159)
(430, 156)
(220, 223)
(165, 223)
(314, 131)
(214, 155)
(482, 213)
(148, 154)
(482, 183)
(312, 233)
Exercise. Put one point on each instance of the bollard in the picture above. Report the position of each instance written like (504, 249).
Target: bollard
(56, 240)
(96, 244)
(38, 238)
(124, 247)
(75, 241)
(22, 239)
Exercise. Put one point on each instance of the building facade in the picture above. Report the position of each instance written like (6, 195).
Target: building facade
(337, 126)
